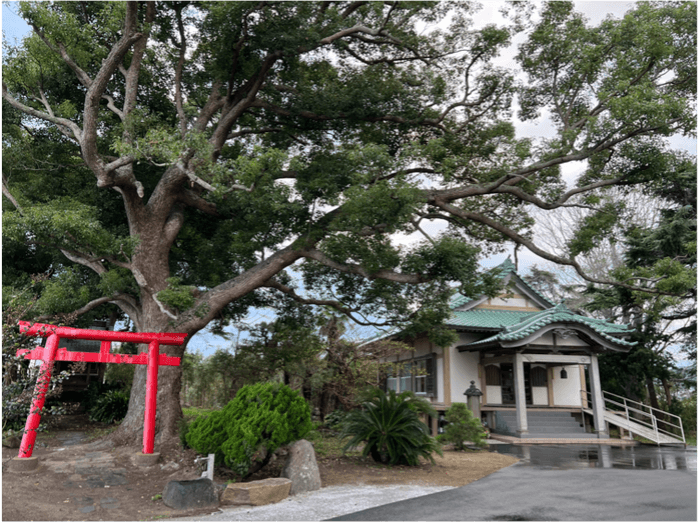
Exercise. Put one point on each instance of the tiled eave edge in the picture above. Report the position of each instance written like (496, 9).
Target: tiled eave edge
(498, 341)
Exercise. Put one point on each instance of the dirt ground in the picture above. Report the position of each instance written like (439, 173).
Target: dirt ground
(96, 481)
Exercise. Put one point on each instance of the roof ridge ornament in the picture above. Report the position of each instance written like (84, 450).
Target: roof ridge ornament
(564, 333)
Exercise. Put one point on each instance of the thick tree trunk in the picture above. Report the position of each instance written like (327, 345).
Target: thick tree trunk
(168, 410)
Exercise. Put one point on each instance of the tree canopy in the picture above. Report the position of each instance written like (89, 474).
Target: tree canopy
(186, 161)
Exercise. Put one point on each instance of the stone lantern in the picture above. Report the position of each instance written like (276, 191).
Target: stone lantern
(474, 400)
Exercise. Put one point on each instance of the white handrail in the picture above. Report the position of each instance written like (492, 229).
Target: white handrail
(645, 411)
(641, 404)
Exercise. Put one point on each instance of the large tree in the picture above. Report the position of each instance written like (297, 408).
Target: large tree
(185, 156)
(666, 325)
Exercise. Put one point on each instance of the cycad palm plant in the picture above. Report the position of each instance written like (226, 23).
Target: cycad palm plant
(391, 430)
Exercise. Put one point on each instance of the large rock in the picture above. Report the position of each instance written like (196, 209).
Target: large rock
(301, 468)
(12, 441)
(190, 494)
(263, 492)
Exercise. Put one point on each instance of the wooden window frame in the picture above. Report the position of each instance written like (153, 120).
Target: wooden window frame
(407, 374)
(493, 375)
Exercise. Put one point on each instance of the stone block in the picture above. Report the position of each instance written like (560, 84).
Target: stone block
(301, 468)
(24, 464)
(146, 460)
(195, 493)
(263, 492)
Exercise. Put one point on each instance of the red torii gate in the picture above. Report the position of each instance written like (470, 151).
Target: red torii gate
(153, 359)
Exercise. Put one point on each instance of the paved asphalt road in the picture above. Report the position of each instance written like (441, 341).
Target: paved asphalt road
(525, 493)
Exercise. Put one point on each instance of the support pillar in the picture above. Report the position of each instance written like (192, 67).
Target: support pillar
(598, 405)
(520, 401)
(149, 416)
(40, 389)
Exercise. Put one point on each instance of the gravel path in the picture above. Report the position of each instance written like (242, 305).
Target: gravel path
(322, 504)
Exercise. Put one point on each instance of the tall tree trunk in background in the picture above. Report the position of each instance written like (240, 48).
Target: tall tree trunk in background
(653, 400)
(667, 391)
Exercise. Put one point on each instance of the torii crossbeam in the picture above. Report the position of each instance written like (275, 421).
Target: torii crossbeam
(51, 353)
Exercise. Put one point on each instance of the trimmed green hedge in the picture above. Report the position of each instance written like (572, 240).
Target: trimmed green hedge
(251, 427)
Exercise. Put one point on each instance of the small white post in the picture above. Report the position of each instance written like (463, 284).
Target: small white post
(209, 473)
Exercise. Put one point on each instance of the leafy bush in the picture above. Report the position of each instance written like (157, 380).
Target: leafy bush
(96, 390)
(120, 374)
(418, 404)
(462, 426)
(251, 427)
(391, 429)
(18, 378)
(183, 427)
(110, 406)
(335, 419)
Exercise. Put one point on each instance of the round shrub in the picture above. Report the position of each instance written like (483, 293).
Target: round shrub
(462, 426)
(251, 427)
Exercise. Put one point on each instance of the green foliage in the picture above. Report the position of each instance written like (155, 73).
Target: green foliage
(250, 428)
(686, 408)
(120, 374)
(595, 227)
(418, 404)
(462, 426)
(391, 431)
(314, 134)
(96, 390)
(177, 296)
(328, 445)
(183, 427)
(192, 413)
(335, 419)
(18, 379)
(110, 407)
(666, 255)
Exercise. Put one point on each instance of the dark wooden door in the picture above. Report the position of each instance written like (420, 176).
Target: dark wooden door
(508, 384)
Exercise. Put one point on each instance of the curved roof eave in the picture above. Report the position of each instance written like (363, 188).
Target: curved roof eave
(504, 340)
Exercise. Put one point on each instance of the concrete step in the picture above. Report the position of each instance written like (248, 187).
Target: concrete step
(542, 422)
(547, 422)
(557, 430)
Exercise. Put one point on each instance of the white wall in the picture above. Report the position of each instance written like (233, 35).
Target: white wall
(493, 395)
(464, 369)
(540, 396)
(520, 302)
(567, 391)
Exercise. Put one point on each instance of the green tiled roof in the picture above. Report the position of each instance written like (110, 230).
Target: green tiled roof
(513, 325)
(486, 319)
(458, 300)
(504, 269)
(530, 323)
